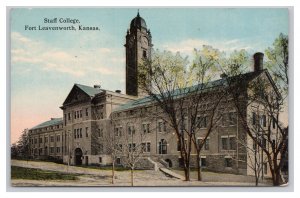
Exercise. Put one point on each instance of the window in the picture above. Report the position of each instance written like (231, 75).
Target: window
(263, 121)
(232, 118)
(35, 140)
(228, 162)
(51, 138)
(253, 118)
(80, 132)
(58, 138)
(118, 131)
(162, 126)
(224, 143)
(86, 131)
(146, 147)
(75, 115)
(274, 123)
(118, 161)
(57, 149)
(75, 133)
(228, 142)
(81, 113)
(178, 145)
(69, 116)
(144, 54)
(41, 140)
(65, 119)
(51, 149)
(206, 144)
(131, 130)
(265, 168)
(146, 127)
(131, 147)
(263, 142)
(232, 143)
(87, 112)
(203, 161)
(203, 122)
(100, 160)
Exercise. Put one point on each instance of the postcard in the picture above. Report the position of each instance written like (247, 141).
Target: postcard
(149, 96)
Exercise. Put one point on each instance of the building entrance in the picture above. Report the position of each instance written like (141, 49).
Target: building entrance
(78, 156)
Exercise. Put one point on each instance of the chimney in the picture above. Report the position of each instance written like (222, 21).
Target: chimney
(118, 91)
(97, 86)
(258, 61)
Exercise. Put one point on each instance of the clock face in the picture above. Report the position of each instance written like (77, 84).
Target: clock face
(145, 41)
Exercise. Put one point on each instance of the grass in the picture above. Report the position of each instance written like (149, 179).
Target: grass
(37, 174)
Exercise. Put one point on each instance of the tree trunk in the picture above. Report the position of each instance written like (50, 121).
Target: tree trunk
(131, 176)
(199, 167)
(113, 173)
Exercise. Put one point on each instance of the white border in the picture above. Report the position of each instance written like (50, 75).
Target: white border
(152, 3)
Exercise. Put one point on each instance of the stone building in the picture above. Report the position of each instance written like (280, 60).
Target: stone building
(92, 115)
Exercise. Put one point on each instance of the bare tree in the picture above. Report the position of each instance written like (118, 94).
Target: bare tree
(257, 92)
(178, 89)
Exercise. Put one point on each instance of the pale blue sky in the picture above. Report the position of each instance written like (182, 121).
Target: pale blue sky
(46, 64)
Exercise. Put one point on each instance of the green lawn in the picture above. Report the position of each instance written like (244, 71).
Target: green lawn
(37, 174)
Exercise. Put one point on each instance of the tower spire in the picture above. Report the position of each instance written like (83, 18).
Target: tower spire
(138, 13)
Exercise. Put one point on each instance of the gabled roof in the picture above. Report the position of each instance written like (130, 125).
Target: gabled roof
(51, 122)
(91, 91)
(181, 92)
(87, 90)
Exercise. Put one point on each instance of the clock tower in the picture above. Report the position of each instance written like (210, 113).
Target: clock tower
(138, 47)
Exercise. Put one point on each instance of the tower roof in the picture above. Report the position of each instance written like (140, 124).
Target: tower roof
(138, 22)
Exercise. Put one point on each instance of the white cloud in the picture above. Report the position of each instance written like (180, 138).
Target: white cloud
(187, 46)
(74, 61)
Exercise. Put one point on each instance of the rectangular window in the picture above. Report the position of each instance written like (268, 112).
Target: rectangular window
(178, 145)
(86, 131)
(87, 112)
(51, 149)
(203, 161)
(65, 119)
(81, 113)
(131, 130)
(206, 145)
(80, 132)
(57, 149)
(58, 138)
(52, 139)
(35, 140)
(253, 118)
(146, 127)
(264, 120)
(75, 134)
(46, 139)
(41, 140)
(265, 168)
(118, 161)
(274, 123)
(232, 143)
(228, 162)
(162, 126)
(224, 143)
(100, 160)
(146, 147)
(69, 116)
(75, 115)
